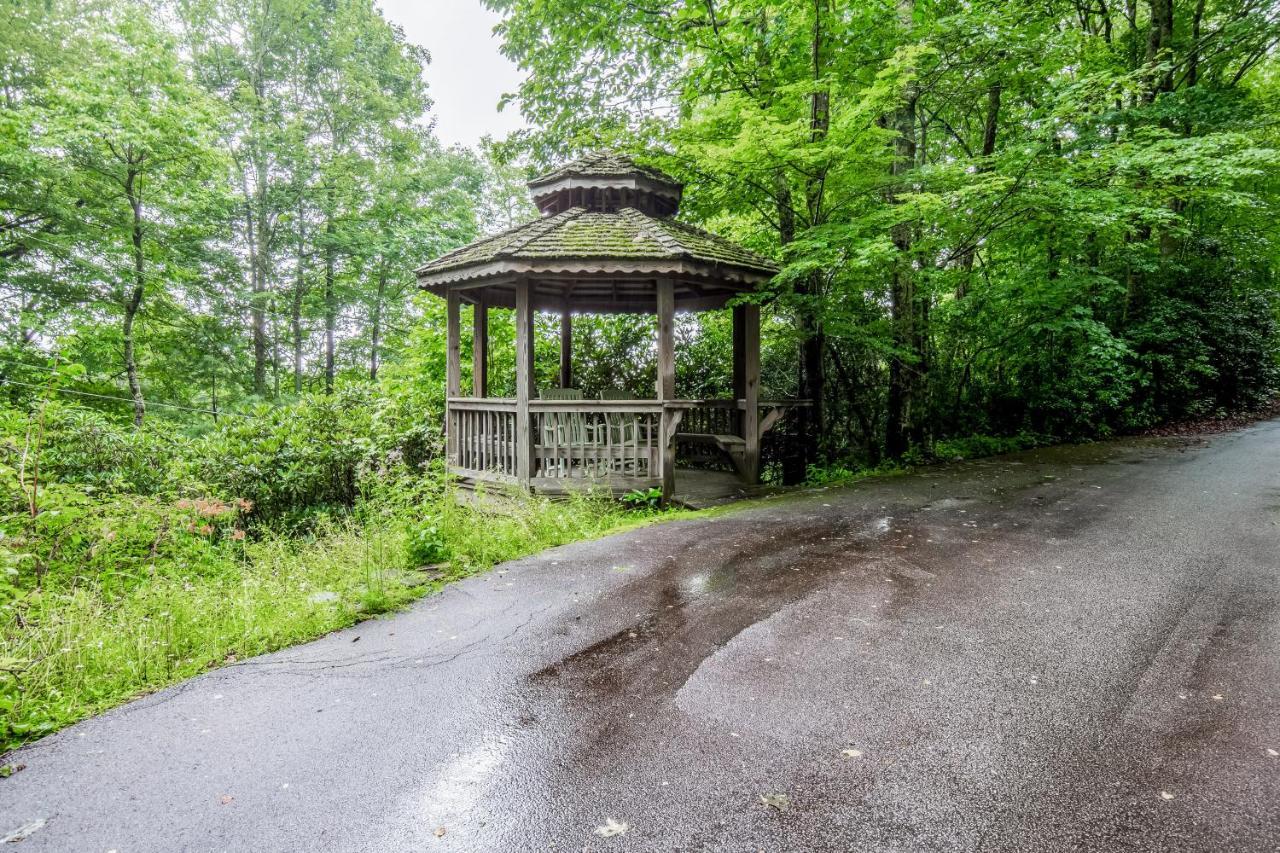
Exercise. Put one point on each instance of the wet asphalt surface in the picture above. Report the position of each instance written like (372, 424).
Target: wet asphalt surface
(1068, 649)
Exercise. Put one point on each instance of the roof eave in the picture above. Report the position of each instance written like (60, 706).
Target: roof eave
(479, 274)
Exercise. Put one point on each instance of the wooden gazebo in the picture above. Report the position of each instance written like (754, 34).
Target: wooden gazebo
(607, 242)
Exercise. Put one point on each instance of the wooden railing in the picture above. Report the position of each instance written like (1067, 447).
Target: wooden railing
(482, 438)
(622, 440)
(713, 417)
(596, 438)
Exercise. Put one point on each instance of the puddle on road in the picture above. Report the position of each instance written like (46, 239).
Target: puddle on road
(461, 782)
(704, 596)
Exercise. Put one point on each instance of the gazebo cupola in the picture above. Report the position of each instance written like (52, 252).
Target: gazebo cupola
(607, 242)
(606, 183)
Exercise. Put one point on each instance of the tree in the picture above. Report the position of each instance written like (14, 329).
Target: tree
(135, 135)
(980, 207)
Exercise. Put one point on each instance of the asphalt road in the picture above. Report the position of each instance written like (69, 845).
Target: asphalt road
(1069, 649)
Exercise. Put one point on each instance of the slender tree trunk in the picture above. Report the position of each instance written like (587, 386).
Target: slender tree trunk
(990, 126)
(1193, 62)
(375, 333)
(1131, 34)
(133, 301)
(813, 340)
(257, 316)
(295, 315)
(330, 307)
(903, 378)
(275, 358)
(1159, 43)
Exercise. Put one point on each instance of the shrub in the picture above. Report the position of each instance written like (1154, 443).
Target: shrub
(310, 457)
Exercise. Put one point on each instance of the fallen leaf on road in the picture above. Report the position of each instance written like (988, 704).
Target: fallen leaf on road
(9, 769)
(440, 831)
(781, 802)
(611, 827)
(225, 799)
(851, 753)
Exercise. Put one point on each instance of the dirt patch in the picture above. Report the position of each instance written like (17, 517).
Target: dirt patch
(1210, 426)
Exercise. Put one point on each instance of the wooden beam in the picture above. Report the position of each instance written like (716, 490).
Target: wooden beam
(566, 348)
(524, 382)
(751, 391)
(480, 348)
(666, 384)
(666, 310)
(453, 346)
(452, 375)
(739, 355)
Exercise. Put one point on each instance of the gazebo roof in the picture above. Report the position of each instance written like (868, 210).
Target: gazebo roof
(605, 165)
(603, 249)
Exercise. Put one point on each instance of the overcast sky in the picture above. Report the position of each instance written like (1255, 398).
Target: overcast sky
(467, 74)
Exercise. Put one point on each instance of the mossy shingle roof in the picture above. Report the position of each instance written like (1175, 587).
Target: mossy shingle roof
(603, 164)
(577, 234)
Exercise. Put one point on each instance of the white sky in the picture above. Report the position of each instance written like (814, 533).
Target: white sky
(467, 74)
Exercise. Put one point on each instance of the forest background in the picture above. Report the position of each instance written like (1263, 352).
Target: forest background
(999, 223)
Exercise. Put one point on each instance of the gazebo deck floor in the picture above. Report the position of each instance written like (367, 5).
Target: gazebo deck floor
(696, 488)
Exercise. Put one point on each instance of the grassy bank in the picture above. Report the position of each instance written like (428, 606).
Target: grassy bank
(179, 599)
(126, 567)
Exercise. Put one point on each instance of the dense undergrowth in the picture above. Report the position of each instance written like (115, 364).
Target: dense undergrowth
(133, 559)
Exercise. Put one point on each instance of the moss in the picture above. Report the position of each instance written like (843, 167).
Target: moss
(603, 164)
(576, 234)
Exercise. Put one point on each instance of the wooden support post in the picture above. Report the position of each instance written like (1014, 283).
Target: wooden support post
(751, 391)
(452, 373)
(524, 382)
(566, 349)
(666, 385)
(453, 346)
(739, 355)
(480, 349)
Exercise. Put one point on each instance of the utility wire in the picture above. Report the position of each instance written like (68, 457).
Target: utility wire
(153, 278)
(7, 381)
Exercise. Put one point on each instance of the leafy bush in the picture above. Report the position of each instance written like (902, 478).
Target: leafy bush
(83, 446)
(294, 461)
(425, 543)
(644, 499)
(105, 594)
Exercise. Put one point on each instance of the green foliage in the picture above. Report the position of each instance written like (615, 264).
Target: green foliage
(998, 222)
(106, 593)
(995, 218)
(85, 447)
(293, 461)
(645, 499)
(426, 544)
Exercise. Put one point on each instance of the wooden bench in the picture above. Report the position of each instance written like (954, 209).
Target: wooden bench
(733, 446)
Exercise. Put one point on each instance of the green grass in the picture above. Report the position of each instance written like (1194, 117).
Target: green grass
(137, 601)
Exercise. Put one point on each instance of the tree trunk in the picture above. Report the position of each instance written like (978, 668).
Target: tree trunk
(375, 332)
(1193, 62)
(903, 383)
(257, 316)
(295, 316)
(990, 126)
(330, 308)
(133, 302)
(1159, 43)
(813, 340)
